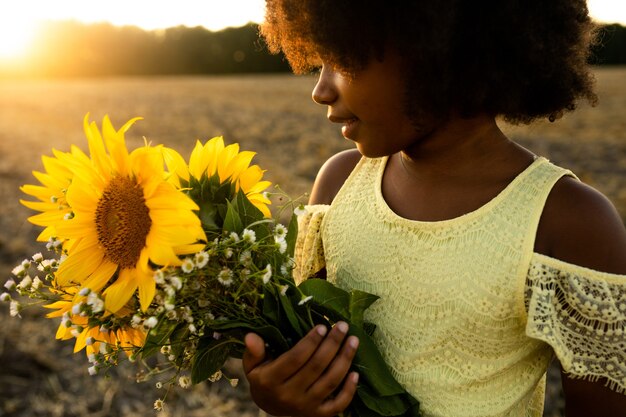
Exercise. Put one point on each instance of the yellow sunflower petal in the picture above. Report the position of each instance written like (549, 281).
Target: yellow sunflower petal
(118, 293)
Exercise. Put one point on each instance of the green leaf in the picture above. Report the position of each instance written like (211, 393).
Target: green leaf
(394, 405)
(210, 357)
(292, 234)
(359, 302)
(157, 337)
(332, 300)
(232, 221)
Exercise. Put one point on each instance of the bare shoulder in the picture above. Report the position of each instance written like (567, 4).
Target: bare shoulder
(332, 175)
(579, 225)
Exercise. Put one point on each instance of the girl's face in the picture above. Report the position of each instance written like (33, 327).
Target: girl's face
(370, 106)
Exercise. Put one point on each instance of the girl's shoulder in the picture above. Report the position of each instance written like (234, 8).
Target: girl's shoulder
(332, 175)
(579, 225)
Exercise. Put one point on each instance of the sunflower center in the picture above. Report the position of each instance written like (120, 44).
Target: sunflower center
(123, 221)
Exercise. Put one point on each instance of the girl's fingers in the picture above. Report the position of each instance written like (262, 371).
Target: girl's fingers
(325, 354)
(334, 406)
(287, 364)
(254, 354)
(330, 380)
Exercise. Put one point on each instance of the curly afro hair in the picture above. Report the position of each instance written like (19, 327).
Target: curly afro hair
(519, 59)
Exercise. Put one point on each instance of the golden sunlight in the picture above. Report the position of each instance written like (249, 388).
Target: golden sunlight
(17, 32)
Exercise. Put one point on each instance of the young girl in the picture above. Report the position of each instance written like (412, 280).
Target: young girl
(488, 259)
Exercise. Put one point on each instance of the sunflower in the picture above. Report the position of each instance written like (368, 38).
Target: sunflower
(124, 216)
(230, 165)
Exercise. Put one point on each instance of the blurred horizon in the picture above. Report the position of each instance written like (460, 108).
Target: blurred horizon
(75, 48)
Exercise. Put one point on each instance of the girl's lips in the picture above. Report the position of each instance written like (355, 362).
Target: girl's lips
(349, 127)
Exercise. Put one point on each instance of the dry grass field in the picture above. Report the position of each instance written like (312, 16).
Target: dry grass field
(272, 115)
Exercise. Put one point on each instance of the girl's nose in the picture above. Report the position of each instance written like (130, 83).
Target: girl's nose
(324, 91)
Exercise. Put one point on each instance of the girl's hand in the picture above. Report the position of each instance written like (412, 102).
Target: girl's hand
(301, 381)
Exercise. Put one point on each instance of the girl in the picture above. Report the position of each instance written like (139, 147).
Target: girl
(489, 260)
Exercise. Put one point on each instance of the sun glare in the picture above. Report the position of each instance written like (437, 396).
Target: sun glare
(16, 35)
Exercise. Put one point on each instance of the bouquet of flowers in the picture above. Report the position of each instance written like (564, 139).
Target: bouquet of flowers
(155, 258)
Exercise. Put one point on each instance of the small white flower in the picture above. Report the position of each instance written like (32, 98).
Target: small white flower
(76, 308)
(38, 257)
(187, 266)
(26, 283)
(171, 315)
(216, 376)
(305, 300)
(158, 385)
(184, 381)
(201, 258)
(19, 271)
(268, 274)
(192, 328)
(281, 244)
(92, 370)
(158, 405)
(246, 257)
(151, 322)
(283, 270)
(217, 336)
(176, 282)
(84, 291)
(68, 216)
(225, 277)
(26, 264)
(95, 302)
(283, 290)
(171, 358)
(300, 210)
(90, 341)
(170, 291)
(92, 358)
(37, 283)
(136, 320)
(249, 235)
(234, 382)
(10, 285)
(280, 231)
(234, 236)
(203, 302)
(5, 297)
(228, 253)
(169, 306)
(75, 331)
(159, 276)
(104, 348)
(15, 308)
(166, 349)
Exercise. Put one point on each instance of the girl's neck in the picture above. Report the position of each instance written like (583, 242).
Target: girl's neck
(462, 147)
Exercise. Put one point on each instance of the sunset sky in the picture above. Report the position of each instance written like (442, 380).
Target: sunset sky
(19, 19)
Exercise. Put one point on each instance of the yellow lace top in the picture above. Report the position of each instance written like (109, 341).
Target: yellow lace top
(469, 316)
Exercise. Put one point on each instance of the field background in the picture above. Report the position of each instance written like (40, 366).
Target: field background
(270, 114)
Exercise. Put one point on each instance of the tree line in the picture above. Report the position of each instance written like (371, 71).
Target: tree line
(67, 49)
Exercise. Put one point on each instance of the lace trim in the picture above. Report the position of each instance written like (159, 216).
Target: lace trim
(309, 251)
(581, 314)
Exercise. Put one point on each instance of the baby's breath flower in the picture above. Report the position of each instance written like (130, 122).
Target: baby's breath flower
(228, 253)
(176, 282)
(246, 257)
(192, 329)
(169, 305)
(19, 271)
(38, 257)
(150, 322)
(280, 231)
(10, 284)
(158, 385)
(5, 297)
(225, 277)
(201, 258)
(90, 341)
(234, 382)
(188, 265)
(92, 370)
(159, 276)
(158, 405)
(203, 302)
(84, 291)
(77, 308)
(68, 216)
(283, 290)
(36, 283)
(171, 315)
(249, 235)
(95, 302)
(26, 283)
(268, 274)
(305, 300)
(166, 349)
(234, 237)
(216, 376)
(136, 320)
(281, 244)
(184, 381)
(300, 210)
(26, 263)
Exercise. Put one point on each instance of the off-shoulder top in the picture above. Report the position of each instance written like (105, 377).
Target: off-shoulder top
(469, 316)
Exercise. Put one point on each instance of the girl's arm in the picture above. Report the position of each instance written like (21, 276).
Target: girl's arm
(580, 226)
